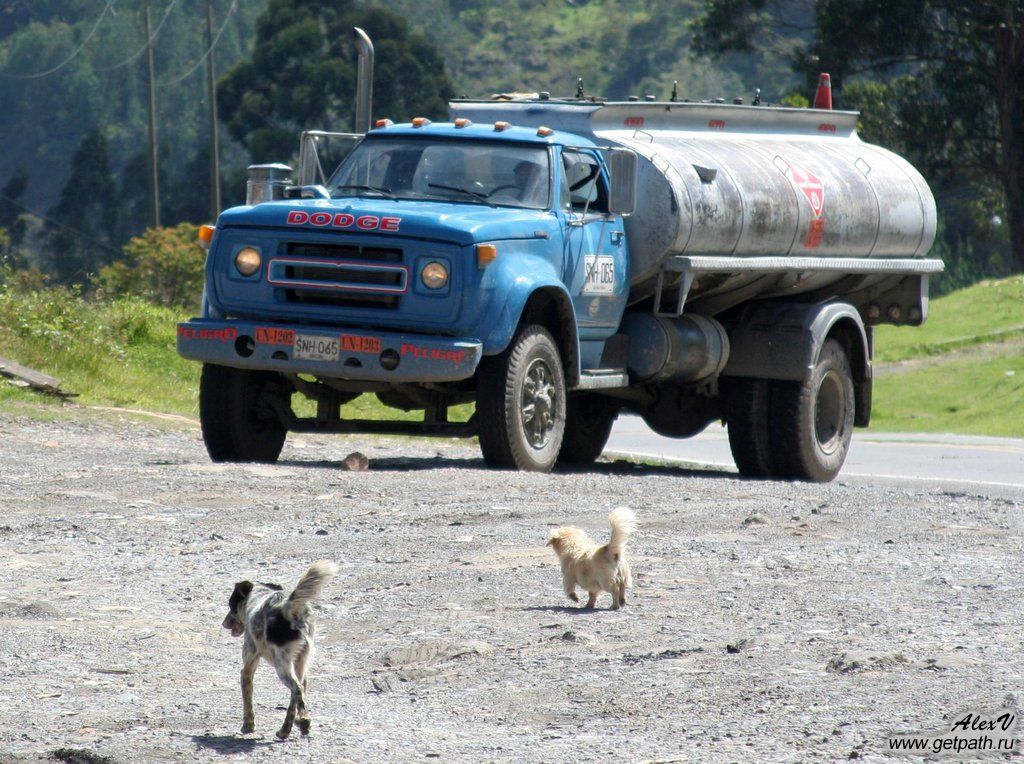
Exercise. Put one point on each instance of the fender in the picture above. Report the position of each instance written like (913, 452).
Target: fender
(773, 340)
(516, 280)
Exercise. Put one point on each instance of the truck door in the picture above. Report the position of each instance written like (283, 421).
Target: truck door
(594, 268)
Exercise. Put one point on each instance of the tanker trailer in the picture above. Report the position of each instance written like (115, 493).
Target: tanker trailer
(764, 246)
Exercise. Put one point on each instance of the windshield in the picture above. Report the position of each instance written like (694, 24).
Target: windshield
(474, 172)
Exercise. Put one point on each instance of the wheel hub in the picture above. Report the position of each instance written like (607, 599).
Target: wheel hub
(538, 404)
(830, 413)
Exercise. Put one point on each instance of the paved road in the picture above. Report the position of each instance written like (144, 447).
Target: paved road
(953, 461)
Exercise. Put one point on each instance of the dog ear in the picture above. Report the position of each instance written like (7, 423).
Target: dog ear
(275, 587)
(241, 591)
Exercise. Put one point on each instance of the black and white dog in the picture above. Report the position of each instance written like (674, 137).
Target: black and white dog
(278, 627)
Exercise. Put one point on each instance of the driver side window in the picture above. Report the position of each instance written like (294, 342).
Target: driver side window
(582, 188)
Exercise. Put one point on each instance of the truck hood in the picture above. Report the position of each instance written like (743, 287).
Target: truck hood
(463, 224)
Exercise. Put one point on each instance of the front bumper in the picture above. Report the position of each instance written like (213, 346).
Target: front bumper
(335, 352)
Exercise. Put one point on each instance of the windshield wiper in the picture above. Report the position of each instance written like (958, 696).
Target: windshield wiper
(475, 194)
(382, 191)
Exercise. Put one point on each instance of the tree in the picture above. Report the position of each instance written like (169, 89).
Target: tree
(11, 208)
(303, 71)
(81, 227)
(961, 64)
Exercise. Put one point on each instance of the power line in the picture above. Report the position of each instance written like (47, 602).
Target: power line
(69, 59)
(140, 51)
(209, 50)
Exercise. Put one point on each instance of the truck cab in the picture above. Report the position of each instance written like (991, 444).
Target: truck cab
(438, 264)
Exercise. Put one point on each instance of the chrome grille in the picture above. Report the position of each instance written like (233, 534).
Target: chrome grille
(343, 275)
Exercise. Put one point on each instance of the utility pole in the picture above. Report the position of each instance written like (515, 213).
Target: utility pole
(214, 139)
(154, 185)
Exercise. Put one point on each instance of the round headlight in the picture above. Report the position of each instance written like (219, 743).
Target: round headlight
(435, 276)
(248, 260)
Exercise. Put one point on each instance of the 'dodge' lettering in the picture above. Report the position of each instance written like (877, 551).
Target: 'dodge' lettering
(343, 220)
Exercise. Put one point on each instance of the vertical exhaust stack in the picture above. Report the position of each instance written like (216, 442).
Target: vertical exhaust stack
(364, 80)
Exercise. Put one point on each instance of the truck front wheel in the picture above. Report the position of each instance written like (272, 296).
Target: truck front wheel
(238, 423)
(521, 402)
(588, 423)
(812, 421)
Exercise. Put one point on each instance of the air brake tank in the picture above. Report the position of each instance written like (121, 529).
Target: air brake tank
(746, 181)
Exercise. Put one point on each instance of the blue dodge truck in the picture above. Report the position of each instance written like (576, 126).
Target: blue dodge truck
(559, 261)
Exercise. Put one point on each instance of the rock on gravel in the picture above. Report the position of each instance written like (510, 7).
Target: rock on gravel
(446, 634)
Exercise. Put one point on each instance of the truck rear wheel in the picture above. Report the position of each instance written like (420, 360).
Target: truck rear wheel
(812, 421)
(748, 404)
(238, 424)
(588, 423)
(521, 403)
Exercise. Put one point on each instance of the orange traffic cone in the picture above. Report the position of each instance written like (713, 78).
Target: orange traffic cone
(823, 98)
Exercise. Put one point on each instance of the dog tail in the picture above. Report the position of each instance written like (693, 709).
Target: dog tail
(309, 587)
(623, 523)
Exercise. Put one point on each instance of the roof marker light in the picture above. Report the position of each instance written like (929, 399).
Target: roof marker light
(544, 132)
(463, 122)
(420, 122)
(501, 126)
(383, 123)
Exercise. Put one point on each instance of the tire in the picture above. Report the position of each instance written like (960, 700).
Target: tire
(521, 403)
(812, 421)
(748, 406)
(588, 423)
(237, 424)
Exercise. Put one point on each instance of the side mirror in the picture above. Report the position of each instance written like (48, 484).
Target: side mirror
(320, 152)
(622, 172)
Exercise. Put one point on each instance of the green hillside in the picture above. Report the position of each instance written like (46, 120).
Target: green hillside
(963, 371)
(619, 49)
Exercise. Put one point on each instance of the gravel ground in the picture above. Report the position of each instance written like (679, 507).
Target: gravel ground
(770, 621)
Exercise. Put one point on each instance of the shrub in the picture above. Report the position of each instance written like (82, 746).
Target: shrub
(164, 265)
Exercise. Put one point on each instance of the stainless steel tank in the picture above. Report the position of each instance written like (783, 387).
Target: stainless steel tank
(746, 181)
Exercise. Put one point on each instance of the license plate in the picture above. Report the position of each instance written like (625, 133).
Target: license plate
(314, 348)
(355, 343)
(599, 274)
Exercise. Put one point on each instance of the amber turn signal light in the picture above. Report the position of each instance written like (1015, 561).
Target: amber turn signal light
(485, 254)
(206, 234)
